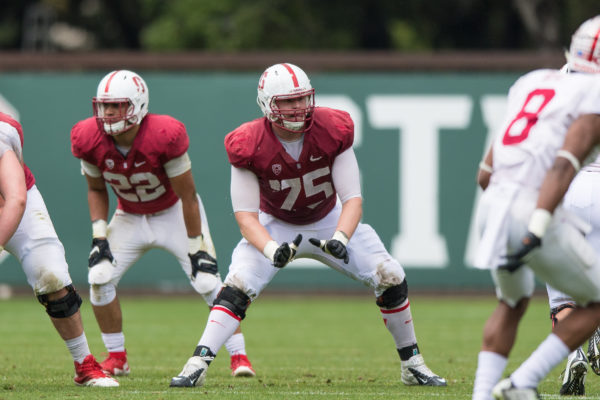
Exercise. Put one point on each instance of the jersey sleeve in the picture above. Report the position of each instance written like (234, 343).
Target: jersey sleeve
(175, 139)
(344, 131)
(240, 145)
(590, 104)
(78, 143)
(10, 140)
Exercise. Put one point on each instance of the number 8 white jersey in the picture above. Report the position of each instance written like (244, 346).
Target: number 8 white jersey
(541, 106)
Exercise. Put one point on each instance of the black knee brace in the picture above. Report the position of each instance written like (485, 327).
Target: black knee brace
(393, 296)
(63, 307)
(233, 299)
(556, 310)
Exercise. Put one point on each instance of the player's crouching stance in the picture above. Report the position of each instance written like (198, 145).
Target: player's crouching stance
(144, 158)
(288, 169)
(37, 248)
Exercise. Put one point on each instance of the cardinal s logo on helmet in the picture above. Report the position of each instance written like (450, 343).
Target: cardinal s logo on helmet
(121, 101)
(286, 82)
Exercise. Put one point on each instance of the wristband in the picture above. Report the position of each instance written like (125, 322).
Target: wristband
(270, 249)
(99, 228)
(570, 157)
(196, 244)
(340, 236)
(539, 221)
(485, 167)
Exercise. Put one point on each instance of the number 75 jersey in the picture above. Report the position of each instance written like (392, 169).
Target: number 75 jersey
(541, 107)
(298, 192)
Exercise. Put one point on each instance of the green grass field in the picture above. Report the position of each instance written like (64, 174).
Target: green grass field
(301, 348)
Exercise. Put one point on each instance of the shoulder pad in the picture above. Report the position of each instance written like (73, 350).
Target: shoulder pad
(241, 143)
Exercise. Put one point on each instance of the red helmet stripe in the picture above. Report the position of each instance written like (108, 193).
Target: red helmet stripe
(591, 56)
(108, 81)
(291, 71)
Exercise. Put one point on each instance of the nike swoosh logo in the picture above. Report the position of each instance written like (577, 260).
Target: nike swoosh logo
(312, 158)
(139, 164)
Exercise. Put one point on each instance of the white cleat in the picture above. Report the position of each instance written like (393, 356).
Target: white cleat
(415, 372)
(504, 390)
(193, 373)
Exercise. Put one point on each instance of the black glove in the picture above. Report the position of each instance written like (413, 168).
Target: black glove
(100, 250)
(203, 262)
(333, 247)
(515, 260)
(286, 253)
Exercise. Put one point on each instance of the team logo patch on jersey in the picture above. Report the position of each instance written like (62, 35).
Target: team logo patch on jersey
(276, 169)
(110, 164)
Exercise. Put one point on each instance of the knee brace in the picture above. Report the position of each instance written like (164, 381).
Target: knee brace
(233, 299)
(393, 296)
(101, 295)
(63, 307)
(558, 309)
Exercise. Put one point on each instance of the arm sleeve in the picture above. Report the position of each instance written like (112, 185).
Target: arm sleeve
(245, 190)
(346, 176)
(90, 169)
(10, 140)
(178, 165)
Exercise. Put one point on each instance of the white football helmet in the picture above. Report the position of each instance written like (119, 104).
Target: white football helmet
(127, 89)
(284, 82)
(584, 53)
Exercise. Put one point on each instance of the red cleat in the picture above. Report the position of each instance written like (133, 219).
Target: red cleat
(240, 366)
(89, 373)
(116, 364)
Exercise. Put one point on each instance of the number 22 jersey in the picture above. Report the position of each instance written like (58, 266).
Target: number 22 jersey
(139, 179)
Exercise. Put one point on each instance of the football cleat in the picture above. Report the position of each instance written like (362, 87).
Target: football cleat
(89, 373)
(574, 374)
(594, 351)
(415, 372)
(193, 373)
(504, 390)
(240, 366)
(116, 364)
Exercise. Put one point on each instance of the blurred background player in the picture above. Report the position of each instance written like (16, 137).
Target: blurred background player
(581, 200)
(288, 169)
(552, 124)
(36, 246)
(144, 158)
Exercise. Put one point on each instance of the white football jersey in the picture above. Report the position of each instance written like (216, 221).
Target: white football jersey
(541, 106)
(10, 140)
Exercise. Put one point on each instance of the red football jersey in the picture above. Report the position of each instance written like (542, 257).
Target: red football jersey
(299, 192)
(139, 180)
(29, 178)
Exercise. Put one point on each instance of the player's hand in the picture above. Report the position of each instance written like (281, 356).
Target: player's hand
(333, 246)
(518, 258)
(100, 251)
(203, 262)
(286, 253)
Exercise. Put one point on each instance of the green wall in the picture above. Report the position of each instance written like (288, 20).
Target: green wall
(419, 140)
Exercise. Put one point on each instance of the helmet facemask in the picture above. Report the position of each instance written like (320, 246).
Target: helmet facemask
(293, 120)
(121, 120)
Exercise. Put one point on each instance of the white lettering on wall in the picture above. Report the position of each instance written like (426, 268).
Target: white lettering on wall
(418, 119)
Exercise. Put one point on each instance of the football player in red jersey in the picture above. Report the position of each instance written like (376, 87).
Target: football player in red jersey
(36, 246)
(293, 175)
(144, 158)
